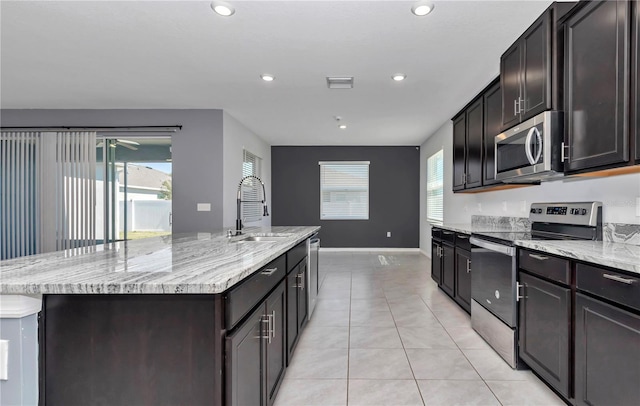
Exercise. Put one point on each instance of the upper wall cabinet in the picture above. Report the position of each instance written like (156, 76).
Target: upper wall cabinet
(529, 69)
(635, 112)
(596, 96)
(474, 130)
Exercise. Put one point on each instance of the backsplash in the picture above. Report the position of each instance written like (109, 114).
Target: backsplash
(499, 222)
(623, 233)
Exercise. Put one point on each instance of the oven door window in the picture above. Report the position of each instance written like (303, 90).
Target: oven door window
(520, 150)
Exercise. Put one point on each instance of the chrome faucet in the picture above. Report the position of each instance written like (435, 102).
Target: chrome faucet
(239, 202)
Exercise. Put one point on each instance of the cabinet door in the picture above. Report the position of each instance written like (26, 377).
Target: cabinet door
(492, 127)
(545, 320)
(459, 147)
(292, 313)
(635, 114)
(463, 279)
(245, 353)
(607, 354)
(475, 129)
(510, 85)
(302, 295)
(436, 262)
(536, 68)
(276, 345)
(448, 269)
(596, 79)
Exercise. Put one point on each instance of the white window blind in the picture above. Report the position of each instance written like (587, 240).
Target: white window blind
(344, 190)
(251, 188)
(435, 173)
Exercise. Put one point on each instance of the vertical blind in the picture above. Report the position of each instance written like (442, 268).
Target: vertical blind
(47, 191)
(435, 172)
(251, 188)
(344, 190)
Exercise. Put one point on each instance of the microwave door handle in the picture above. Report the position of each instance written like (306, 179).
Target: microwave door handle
(527, 146)
(539, 138)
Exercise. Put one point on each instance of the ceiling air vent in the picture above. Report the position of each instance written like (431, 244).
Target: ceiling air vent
(340, 82)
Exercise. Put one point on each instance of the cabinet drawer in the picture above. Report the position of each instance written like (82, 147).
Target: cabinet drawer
(462, 241)
(547, 266)
(609, 284)
(295, 255)
(241, 299)
(436, 234)
(449, 236)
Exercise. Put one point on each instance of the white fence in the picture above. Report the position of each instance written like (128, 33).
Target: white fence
(146, 215)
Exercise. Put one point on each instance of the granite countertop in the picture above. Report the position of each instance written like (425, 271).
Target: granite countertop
(611, 254)
(468, 228)
(183, 263)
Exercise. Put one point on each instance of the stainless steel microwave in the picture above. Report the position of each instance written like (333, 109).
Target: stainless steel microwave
(531, 151)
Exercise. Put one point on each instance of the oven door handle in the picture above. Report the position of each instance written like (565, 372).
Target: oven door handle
(491, 246)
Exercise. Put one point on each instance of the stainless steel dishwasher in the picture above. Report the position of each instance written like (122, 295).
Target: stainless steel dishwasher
(312, 269)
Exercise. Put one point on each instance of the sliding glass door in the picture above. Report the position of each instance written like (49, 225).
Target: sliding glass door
(134, 187)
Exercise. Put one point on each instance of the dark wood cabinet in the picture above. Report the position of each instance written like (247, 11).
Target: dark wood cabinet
(596, 95)
(297, 305)
(635, 88)
(492, 127)
(474, 138)
(459, 151)
(525, 71)
(436, 261)
(448, 269)
(607, 354)
(544, 330)
(463, 278)
(256, 354)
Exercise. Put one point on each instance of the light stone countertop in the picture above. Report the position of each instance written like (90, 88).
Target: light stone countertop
(610, 254)
(183, 263)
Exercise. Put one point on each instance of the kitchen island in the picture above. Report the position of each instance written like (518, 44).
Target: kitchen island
(160, 320)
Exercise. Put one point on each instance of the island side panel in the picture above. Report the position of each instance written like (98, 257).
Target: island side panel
(131, 349)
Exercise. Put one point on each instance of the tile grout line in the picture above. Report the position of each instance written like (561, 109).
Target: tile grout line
(349, 336)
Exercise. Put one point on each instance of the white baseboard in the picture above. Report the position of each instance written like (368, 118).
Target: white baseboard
(328, 249)
(425, 253)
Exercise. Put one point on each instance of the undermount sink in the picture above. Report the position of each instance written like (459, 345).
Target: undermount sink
(262, 238)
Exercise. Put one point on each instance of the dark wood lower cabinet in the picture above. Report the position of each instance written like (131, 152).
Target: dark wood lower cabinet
(134, 350)
(297, 305)
(607, 354)
(463, 279)
(303, 304)
(275, 354)
(544, 330)
(448, 269)
(436, 262)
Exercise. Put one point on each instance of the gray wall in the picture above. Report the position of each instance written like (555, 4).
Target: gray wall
(393, 194)
(21, 389)
(197, 153)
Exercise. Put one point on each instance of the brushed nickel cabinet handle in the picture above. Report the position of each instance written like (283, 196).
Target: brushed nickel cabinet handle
(468, 265)
(269, 271)
(518, 296)
(619, 279)
(540, 257)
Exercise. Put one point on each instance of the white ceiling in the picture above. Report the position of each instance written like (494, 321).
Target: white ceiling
(179, 54)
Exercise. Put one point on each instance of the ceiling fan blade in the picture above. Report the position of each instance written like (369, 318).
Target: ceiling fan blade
(127, 142)
(127, 146)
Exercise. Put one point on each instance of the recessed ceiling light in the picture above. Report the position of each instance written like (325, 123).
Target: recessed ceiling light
(422, 8)
(267, 77)
(342, 126)
(399, 77)
(222, 8)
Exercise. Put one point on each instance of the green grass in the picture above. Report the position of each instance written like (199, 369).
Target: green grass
(136, 235)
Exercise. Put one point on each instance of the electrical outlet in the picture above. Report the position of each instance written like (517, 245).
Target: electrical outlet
(523, 206)
(204, 206)
(4, 360)
(504, 205)
(388, 234)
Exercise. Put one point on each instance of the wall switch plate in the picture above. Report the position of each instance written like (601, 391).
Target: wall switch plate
(4, 360)
(204, 206)
(388, 233)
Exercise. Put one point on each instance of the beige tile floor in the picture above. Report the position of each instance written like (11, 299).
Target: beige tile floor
(383, 334)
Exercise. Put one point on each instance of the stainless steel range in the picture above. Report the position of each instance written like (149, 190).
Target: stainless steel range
(494, 285)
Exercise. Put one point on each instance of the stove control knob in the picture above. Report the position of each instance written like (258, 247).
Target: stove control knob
(533, 211)
(539, 211)
(583, 211)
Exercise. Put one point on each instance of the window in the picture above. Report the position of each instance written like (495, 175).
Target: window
(435, 186)
(344, 190)
(251, 188)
